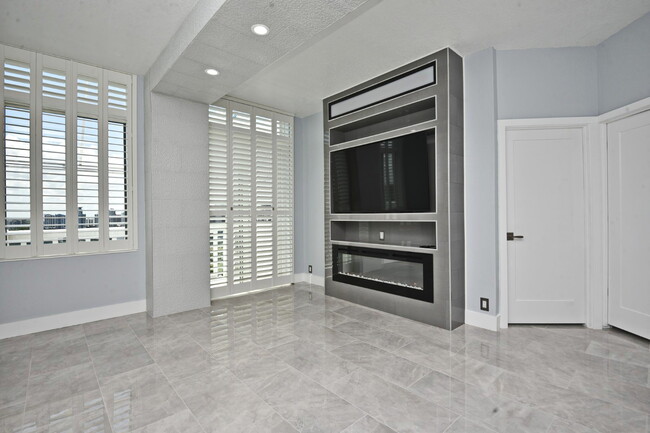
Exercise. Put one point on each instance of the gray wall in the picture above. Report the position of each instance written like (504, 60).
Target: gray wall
(309, 195)
(177, 196)
(481, 180)
(42, 287)
(553, 82)
(624, 66)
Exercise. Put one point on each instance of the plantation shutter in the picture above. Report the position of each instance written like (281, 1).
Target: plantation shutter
(54, 165)
(251, 203)
(241, 175)
(284, 185)
(90, 209)
(18, 184)
(219, 187)
(67, 181)
(54, 178)
(119, 165)
(264, 197)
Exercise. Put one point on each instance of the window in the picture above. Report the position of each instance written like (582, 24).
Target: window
(66, 157)
(251, 198)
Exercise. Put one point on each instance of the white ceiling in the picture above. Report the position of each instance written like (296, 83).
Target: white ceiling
(123, 35)
(227, 44)
(395, 32)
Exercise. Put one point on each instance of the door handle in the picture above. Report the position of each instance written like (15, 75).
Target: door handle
(510, 236)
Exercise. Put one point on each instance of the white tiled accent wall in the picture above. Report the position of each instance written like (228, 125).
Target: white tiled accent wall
(177, 203)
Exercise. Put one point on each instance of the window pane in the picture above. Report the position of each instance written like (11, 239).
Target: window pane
(117, 182)
(17, 176)
(88, 179)
(54, 178)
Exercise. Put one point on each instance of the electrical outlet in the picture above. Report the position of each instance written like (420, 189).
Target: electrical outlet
(485, 304)
(382, 236)
(309, 268)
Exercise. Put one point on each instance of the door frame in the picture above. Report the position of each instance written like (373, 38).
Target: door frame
(592, 158)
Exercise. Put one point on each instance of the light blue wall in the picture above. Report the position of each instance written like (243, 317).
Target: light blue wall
(42, 287)
(481, 179)
(559, 82)
(550, 82)
(309, 195)
(624, 66)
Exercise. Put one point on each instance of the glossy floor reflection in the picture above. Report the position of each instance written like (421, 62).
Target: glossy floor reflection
(285, 361)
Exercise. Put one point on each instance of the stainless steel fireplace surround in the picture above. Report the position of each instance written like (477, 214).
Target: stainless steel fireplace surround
(409, 263)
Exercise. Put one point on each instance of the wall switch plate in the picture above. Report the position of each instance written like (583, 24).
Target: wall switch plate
(382, 236)
(309, 268)
(485, 304)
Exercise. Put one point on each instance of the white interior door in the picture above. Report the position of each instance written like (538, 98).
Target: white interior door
(546, 205)
(628, 142)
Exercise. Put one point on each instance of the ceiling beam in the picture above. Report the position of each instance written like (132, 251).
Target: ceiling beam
(196, 20)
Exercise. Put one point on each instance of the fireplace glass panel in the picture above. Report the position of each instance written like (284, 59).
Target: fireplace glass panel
(400, 273)
(391, 271)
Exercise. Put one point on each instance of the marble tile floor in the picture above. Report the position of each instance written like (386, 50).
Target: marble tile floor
(284, 361)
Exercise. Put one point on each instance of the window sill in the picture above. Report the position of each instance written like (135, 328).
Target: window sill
(63, 256)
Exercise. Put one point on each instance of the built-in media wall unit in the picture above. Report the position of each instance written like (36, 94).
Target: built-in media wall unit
(394, 213)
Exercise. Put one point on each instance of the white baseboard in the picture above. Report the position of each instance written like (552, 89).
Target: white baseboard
(481, 320)
(304, 278)
(78, 317)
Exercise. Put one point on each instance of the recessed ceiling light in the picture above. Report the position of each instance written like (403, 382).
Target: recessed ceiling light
(211, 71)
(260, 29)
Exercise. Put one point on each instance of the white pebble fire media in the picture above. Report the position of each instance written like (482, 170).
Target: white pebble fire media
(394, 216)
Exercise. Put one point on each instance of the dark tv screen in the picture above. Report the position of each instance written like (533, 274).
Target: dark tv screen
(390, 176)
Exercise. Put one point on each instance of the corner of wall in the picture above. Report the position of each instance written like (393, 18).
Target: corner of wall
(623, 62)
(481, 179)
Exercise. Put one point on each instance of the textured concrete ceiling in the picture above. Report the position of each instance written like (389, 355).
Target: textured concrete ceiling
(227, 44)
(395, 32)
(123, 35)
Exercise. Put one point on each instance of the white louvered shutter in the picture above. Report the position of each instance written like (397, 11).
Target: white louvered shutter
(264, 206)
(54, 178)
(241, 176)
(88, 179)
(67, 181)
(88, 159)
(118, 204)
(18, 154)
(218, 190)
(17, 163)
(54, 153)
(284, 185)
(251, 202)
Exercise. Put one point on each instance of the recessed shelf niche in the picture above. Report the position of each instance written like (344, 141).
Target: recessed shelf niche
(400, 117)
(417, 234)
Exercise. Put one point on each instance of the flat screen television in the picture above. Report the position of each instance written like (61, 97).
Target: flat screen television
(396, 175)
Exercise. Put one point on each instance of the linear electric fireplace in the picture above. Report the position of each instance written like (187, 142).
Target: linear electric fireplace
(400, 273)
